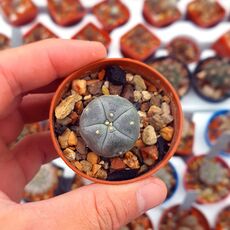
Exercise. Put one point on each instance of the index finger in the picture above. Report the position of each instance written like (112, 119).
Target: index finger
(36, 65)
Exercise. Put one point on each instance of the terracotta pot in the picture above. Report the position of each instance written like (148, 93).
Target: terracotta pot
(4, 42)
(34, 37)
(187, 148)
(184, 40)
(222, 45)
(151, 76)
(223, 214)
(96, 34)
(194, 15)
(200, 200)
(103, 14)
(22, 18)
(174, 209)
(148, 16)
(139, 43)
(142, 222)
(73, 16)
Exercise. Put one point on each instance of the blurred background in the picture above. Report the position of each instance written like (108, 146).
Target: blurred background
(189, 43)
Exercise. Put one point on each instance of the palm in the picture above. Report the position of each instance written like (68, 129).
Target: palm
(19, 163)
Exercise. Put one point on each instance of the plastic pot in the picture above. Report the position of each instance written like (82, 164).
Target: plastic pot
(212, 118)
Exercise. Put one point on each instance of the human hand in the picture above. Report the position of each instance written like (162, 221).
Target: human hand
(28, 75)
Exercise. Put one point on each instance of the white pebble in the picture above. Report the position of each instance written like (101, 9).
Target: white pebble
(146, 96)
(106, 84)
(87, 97)
(142, 114)
(149, 136)
(137, 96)
(129, 77)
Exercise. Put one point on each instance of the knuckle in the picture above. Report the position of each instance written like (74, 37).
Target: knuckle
(111, 213)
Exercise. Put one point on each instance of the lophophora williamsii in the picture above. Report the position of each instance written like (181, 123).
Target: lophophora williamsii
(110, 125)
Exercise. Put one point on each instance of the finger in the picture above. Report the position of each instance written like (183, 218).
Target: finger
(48, 88)
(27, 157)
(11, 127)
(35, 107)
(36, 65)
(101, 206)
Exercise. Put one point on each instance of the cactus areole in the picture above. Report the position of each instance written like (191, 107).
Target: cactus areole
(110, 125)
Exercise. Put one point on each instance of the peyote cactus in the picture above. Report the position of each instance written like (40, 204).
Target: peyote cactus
(211, 173)
(110, 125)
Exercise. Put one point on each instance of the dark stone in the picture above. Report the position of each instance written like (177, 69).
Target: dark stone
(87, 78)
(81, 147)
(59, 129)
(115, 89)
(94, 75)
(128, 92)
(75, 128)
(94, 87)
(137, 105)
(115, 75)
(80, 157)
(162, 147)
(123, 175)
(145, 106)
(155, 100)
(136, 151)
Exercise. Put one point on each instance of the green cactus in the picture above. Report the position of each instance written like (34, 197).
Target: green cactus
(110, 125)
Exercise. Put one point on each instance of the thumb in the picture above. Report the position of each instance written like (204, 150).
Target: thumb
(96, 206)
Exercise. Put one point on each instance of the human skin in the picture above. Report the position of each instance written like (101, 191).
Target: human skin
(28, 76)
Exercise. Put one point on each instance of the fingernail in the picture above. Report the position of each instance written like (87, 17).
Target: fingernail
(150, 194)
